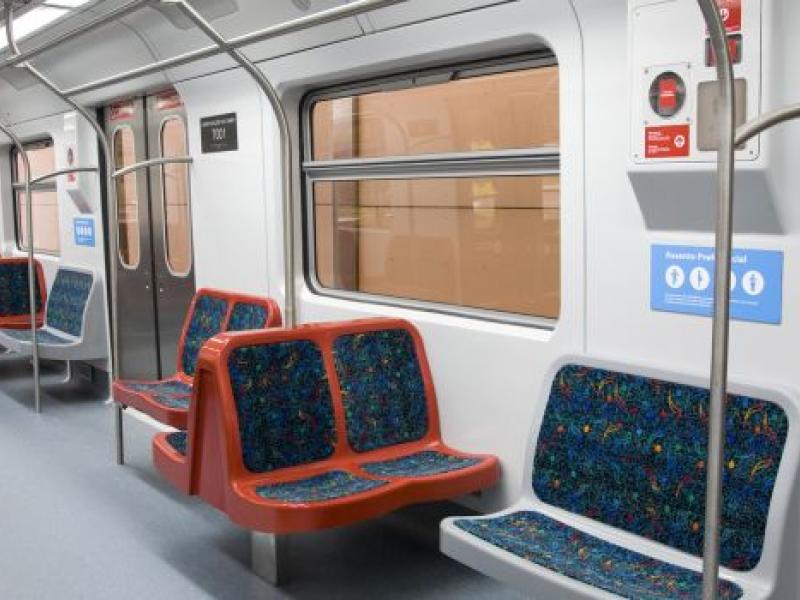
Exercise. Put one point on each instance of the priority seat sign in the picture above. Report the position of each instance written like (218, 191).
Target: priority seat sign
(682, 281)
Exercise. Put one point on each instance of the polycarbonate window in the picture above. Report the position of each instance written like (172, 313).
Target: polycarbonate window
(177, 209)
(440, 191)
(46, 229)
(128, 234)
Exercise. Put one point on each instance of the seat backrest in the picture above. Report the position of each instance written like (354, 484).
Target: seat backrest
(206, 318)
(69, 296)
(214, 311)
(382, 386)
(283, 404)
(249, 315)
(14, 290)
(630, 451)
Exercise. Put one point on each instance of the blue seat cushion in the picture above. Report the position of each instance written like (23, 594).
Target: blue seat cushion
(246, 316)
(177, 439)
(382, 389)
(283, 404)
(43, 336)
(67, 302)
(595, 562)
(630, 452)
(421, 464)
(328, 486)
(170, 393)
(14, 290)
(206, 321)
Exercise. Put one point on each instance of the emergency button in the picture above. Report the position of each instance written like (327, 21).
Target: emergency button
(667, 94)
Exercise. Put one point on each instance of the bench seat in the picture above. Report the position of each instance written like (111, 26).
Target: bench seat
(15, 293)
(570, 552)
(211, 311)
(614, 500)
(74, 322)
(317, 427)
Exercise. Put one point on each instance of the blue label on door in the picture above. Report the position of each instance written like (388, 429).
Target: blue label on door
(682, 281)
(84, 232)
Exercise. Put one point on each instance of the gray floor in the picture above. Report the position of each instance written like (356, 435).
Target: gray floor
(75, 526)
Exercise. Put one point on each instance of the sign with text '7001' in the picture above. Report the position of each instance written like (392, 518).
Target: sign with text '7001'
(682, 281)
(219, 133)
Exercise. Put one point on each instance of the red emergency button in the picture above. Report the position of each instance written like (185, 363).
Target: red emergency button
(667, 94)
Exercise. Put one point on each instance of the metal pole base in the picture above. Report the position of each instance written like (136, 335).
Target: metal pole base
(270, 557)
(119, 437)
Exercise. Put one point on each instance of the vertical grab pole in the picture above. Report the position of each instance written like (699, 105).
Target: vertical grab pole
(32, 279)
(112, 202)
(289, 314)
(722, 282)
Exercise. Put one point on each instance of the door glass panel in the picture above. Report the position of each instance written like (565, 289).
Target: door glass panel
(504, 111)
(489, 243)
(127, 199)
(177, 214)
(42, 158)
(45, 220)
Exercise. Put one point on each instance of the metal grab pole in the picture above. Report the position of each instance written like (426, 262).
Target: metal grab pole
(287, 186)
(153, 162)
(110, 192)
(58, 173)
(722, 282)
(32, 282)
(313, 20)
(750, 130)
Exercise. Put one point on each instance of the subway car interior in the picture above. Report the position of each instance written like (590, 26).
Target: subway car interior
(399, 299)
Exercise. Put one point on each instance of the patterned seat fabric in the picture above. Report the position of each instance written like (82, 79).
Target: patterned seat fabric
(67, 301)
(42, 336)
(177, 440)
(283, 403)
(207, 320)
(565, 550)
(630, 452)
(171, 392)
(14, 290)
(382, 389)
(421, 464)
(246, 316)
(328, 486)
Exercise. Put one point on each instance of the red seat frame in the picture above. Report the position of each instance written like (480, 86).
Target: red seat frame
(213, 467)
(175, 417)
(24, 321)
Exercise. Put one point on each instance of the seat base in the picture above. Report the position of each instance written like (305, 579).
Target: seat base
(167, 401)
(549, 559)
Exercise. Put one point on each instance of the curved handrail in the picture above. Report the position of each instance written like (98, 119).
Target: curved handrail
(57, 173)
(153, 162)
(750, 130)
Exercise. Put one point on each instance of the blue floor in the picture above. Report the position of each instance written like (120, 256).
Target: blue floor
(76, 526)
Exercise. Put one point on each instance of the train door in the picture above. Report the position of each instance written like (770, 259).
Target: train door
(155, 271)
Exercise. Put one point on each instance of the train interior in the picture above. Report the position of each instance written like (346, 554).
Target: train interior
(399, 299)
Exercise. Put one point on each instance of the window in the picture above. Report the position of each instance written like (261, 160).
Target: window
(442, 189)
(128, 237)
(46, 232)
(177, 213)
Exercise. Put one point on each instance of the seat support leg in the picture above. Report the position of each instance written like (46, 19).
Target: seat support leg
(119, 437)
(269, 557)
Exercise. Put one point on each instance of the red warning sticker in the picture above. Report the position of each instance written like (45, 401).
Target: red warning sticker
(731, 12)
(168, 100)
(666, 141)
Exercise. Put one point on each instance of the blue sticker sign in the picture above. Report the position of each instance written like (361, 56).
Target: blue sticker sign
(682, 281)
(84, 232)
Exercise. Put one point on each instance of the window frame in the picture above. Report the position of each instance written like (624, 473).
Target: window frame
(162, 125)
(135, 174)
(536, 161)
(18, 187)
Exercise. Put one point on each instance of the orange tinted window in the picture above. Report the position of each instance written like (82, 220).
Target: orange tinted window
(177, 214)
(504, 111)
(127, 199)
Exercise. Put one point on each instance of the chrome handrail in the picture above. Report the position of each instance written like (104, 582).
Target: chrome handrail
(153, 162)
